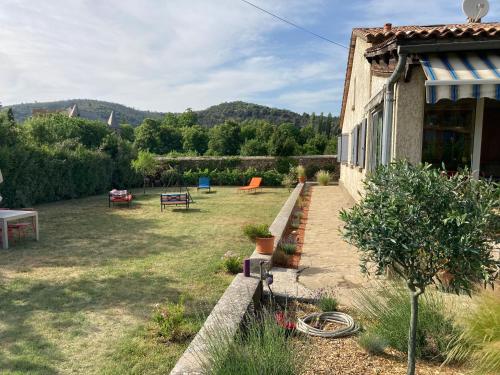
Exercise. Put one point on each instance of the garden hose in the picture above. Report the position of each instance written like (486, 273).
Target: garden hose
(350, 328)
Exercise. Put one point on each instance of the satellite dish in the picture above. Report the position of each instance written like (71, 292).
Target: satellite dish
(475, 9)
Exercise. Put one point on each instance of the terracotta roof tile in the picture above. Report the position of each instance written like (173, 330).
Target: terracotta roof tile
(378, 34)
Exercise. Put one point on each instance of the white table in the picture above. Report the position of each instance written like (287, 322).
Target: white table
(12, 215)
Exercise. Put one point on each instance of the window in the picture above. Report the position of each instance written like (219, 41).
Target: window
(448, 132)
(361, 144)
(354, 146)
(343, 148)
(376, 138)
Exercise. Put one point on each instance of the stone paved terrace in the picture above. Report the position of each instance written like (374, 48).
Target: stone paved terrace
(328, 260)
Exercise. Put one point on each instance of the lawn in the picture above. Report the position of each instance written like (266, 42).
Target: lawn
(81, 299)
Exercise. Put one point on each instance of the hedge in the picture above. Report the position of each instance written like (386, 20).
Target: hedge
(226, 176)
(34, 174)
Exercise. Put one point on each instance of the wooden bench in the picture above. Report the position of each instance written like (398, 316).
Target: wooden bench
(175, 199)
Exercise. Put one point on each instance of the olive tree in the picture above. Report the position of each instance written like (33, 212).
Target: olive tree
(421, 223)
(145, 164)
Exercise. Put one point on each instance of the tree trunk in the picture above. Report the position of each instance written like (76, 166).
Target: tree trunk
(144, 185)
(412, 337)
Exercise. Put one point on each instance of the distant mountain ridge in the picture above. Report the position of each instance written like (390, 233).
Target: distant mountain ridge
(100, 110)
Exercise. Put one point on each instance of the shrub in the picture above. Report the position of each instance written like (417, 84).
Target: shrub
(295, 223)
(262, 347)
(172, 323)
(386, 310)
(231, 263)
(301, 171)
(323, 177)
(170, 177)
(311, 170)
(326, 300)
(254, 231)
(372, 343)
(285, 164)
(479, 343)
(288, 245)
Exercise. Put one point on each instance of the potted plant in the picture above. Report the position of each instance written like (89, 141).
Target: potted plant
(301, 173)
(259, 233)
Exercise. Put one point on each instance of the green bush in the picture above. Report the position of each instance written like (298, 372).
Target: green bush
(35, 174)
(262, 347)
(172, 323)
(479, 342)
(386, 311)
(170, 177)
(288, 246)
(284, 164)
(372, 343)
(312, 170)
(254, 231)
(323, 177)
(326, 301)
(231, 263)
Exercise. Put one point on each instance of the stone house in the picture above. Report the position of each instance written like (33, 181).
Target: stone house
(421, 93)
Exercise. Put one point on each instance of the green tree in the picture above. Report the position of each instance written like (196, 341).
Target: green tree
(331, 147)
(170, 139)
(419, 222)
(56, 128)
(254, 147)
(283, 141)
(306, 133)
(127, 132)
(170, 119)
(145, 165)
(316, 145)
(188, 118)
(147, 135)
(224, 139)
(195, 138)
(329, 125)
(8, 129)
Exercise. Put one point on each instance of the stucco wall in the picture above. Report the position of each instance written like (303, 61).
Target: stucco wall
(360, 92)
(409, 118)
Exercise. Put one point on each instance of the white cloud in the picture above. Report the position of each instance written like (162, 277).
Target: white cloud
(163, 55)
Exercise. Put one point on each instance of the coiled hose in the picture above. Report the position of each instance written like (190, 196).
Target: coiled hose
(351, 327)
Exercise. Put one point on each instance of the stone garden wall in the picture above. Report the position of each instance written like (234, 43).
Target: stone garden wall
(311, 162)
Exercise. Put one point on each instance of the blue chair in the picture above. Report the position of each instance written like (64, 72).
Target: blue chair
(204, 183)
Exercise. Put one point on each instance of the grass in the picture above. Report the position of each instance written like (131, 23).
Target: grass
(386, 312)
(263, 347)
(372, 343)
(478, 344)
(81, 299)
(323, 177)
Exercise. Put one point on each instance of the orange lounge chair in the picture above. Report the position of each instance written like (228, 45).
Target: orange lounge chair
(253, 185)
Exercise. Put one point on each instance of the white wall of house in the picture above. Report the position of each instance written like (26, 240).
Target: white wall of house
(360, 91)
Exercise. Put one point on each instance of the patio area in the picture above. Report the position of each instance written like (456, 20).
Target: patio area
(327, 260)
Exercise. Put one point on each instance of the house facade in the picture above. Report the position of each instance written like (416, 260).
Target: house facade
(421, 93)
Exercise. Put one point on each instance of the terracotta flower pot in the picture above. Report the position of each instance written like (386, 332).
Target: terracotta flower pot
(264, 245)
(302, 179)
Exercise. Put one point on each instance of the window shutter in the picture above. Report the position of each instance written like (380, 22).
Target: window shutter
(355, 146)
(345, 148)
(339, 149)
(362, 144)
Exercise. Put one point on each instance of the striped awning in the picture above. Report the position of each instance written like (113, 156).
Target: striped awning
(457, 76)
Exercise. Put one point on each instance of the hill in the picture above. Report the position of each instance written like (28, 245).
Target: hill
(100, 110)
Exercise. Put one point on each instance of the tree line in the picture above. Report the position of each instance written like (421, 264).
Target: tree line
(182, 134)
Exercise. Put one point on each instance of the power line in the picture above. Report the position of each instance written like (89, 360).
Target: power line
(293, 24)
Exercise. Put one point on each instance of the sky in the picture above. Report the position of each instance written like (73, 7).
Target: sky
(169, 55)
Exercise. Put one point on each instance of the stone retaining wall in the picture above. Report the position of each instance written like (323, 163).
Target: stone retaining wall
(242, 295)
